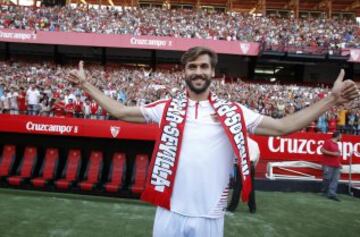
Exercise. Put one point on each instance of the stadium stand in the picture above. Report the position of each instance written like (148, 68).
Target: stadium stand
(274, 100)
(276, 32)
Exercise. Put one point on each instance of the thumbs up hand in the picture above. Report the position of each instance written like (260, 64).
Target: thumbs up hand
(344, 91)
(78, 76)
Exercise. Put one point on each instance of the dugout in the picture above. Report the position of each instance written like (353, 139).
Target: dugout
(130, 149)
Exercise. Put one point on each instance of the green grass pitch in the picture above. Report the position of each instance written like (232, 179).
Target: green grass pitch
(42, 214)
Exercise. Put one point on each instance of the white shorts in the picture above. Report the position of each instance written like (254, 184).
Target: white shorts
(171, 224)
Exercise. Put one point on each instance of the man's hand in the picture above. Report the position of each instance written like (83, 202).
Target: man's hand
(78, 76)
(344, 91)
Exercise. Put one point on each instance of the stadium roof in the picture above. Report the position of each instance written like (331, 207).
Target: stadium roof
(327, 6)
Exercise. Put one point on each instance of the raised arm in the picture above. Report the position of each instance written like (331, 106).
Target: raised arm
(116, 109)
(342, 92)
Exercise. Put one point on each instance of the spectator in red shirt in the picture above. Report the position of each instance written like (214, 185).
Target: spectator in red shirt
(70, 108)
(332, 123)
(331, 166)
(94, 109)
(58, 108)
(78, 107)
(21, 100)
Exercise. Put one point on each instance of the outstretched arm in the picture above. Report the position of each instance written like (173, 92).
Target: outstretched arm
(116, 109)
(342, 92)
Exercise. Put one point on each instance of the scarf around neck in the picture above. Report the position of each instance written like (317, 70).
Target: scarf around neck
(163, 166)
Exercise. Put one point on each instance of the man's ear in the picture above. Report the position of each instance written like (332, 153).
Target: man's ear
(213, 73)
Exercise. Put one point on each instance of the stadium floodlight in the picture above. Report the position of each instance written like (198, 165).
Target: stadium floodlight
(264, 71)
(252, 11)
(273, 79)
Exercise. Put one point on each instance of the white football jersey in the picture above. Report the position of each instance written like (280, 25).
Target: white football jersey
(205, 162)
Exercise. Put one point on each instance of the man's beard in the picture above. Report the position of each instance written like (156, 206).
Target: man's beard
(198, 90)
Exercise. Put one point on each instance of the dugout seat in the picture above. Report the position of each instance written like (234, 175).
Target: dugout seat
(139, 173)
(48, 168)
(7, 160)
(93, 171)
(71, 170)
(117, 173)
(26, 167)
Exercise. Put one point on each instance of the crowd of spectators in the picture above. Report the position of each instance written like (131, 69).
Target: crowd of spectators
(42, 89)
(274, 32)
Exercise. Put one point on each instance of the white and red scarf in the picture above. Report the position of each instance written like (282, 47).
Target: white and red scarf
(163, 166)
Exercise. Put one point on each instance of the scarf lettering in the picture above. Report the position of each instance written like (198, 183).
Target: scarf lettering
(233, 122)
(171, 131)
(162, 167)
(226, 109)
(165, 157)
(240, 141)
(176, 113)
(159, 182)
(174, 117)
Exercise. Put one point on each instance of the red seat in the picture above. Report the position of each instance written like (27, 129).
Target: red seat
(7, 160)
(26, 167)
(117, 173)
(140, 172)
(93, 171)
(71, 170)
(48, 169)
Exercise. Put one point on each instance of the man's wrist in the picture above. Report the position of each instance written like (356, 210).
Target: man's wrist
(331, 98)
(83, 83)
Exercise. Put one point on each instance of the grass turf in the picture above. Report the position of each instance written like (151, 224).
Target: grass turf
(40, 214)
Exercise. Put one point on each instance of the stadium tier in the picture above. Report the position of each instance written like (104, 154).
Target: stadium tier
(55, 137)
(42, 89)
